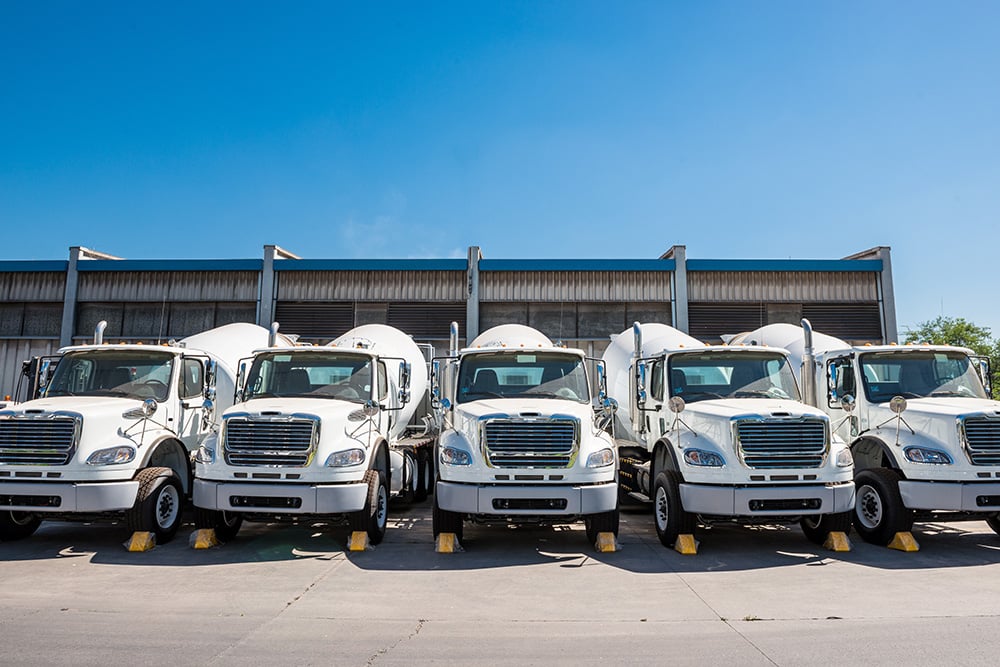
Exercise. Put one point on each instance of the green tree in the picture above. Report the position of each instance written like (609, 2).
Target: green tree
(963, 333)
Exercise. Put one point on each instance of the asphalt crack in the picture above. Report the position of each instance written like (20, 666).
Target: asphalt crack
(383, 651)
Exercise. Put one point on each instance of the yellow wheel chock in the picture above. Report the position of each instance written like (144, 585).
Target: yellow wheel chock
(904, 542)
(141, 541)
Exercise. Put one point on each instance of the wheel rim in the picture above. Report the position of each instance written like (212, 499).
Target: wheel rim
(382, 511)
(168, 506)
(869, 507)
(662, 509)
(811, 521)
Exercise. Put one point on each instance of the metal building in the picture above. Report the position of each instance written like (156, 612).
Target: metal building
(48, 304)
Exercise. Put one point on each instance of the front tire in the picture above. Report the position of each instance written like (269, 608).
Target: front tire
(158, 505)
(605, 522)
(879, 512)
(444, 521)
(425, 475)
(373, 517)
(994, 523)
(17, 525)
(817, 528)
(668, 513)
(225, 524)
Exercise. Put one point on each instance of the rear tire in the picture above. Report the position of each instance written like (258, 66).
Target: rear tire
(425, 475)
(444, 521)
(225, 524)
(605, 522)
(668, 513)
(17, 525)
(158, 505)
(818, 528)
(879, 512)
(373, 518)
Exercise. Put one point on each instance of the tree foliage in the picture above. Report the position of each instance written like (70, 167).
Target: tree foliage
(962, 333)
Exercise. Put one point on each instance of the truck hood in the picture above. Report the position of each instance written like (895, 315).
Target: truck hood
(952, 406)
(86, 406)
(533, 407)
(331, 409)
(741, 407)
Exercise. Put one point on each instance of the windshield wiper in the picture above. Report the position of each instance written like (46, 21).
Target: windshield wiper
(543, 394)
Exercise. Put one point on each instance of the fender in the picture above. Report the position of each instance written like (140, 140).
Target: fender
(380, 461)
(168, 452)
(664, 458)
(872, 452)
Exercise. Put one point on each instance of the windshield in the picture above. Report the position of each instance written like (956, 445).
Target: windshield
(528, 374)
(129, 373)
(917, 374)
(311, 374)
(705, 376)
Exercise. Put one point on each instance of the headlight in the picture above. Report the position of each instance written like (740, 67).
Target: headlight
(923, 455)
(599, 459)
(348, 457)
(705, 459)
(205, 454)
(844, 458)
(111, 456)
(455, 457)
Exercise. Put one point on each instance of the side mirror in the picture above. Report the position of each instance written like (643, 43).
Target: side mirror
(211, 368)
(831, 383)
(640, 382)
(371, 408)
(847, 403)
(404, 383)
(240, 376)
(602, 383)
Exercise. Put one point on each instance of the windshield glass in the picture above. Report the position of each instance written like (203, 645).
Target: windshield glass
(917, 374)
(705, 376)
(130, 373)
(311, 374)
(528, 374)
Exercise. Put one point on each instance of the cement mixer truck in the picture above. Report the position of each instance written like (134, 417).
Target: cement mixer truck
(924, 433)
(320, 431)
(112, 434)
(520, 441)
(717, 434)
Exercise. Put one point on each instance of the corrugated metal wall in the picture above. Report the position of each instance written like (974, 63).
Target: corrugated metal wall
(157, 286)
(795, 286)
(574, 286)
(13, 352)
(27, 286)
(370, 285)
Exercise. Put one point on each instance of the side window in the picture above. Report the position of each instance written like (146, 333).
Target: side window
(656, 381)
(191, 378)
(383, 382)
(840, 377)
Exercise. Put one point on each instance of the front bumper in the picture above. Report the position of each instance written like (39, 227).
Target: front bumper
(280, 498)
(778, 500)
(951, 496)
(535, 500)
(68, 497)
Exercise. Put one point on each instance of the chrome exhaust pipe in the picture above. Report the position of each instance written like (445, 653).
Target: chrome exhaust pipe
(272, 338)
(99, 332)
(453, 340)
(808, 366)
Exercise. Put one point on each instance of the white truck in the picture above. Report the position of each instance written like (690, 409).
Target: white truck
(320, 431)
(112, 432)
(520, 441)
(717, 434)
(924, 432)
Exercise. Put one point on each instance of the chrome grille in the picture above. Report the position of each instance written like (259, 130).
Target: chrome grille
(782, 444)
(267, 442)
(531, 443)
(982, 438)
(47, 442)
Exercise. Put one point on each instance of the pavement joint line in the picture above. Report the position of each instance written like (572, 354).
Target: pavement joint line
(384, 651)
(273, 617)
(749, 641)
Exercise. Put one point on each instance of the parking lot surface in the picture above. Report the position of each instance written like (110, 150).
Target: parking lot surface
(280, 594)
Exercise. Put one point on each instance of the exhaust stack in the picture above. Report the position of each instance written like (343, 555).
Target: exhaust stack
(99, 332)
(808, 366)
(272, 338)
(453, 340)
(637, 334)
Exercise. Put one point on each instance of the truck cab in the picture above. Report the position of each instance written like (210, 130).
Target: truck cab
(520, 441)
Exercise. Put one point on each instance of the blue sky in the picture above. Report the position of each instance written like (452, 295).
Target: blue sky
(532, 129)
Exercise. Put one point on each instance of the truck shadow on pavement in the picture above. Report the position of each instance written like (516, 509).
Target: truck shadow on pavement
(409, 546)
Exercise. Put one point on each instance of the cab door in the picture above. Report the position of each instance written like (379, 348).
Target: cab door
(192, 423)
